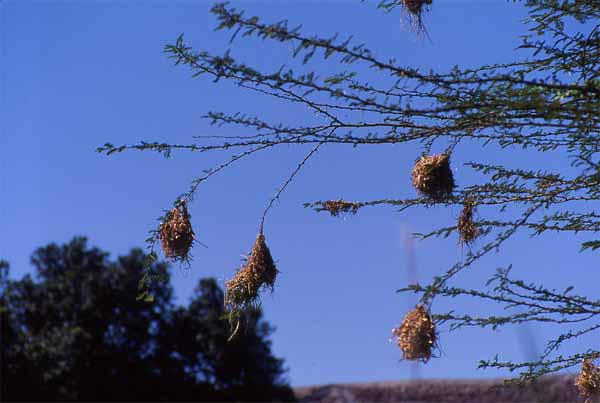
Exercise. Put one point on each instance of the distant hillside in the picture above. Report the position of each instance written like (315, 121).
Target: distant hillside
(552, 389)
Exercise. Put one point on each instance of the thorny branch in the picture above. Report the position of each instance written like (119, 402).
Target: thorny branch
(548, 102)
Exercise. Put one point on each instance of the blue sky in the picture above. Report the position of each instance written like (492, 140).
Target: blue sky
(77, 74)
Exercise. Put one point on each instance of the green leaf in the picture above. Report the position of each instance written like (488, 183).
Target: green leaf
(593, 245)
(333, 80)
(150, 258)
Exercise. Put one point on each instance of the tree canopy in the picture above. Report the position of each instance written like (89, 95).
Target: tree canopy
(75, 331)
(545, 101)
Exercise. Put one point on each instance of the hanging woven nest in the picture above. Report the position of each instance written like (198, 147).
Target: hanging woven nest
(261, 262)
(467, 230)
(415, 7)
(588, 381)
(414, 10)
(416, 335)
(176, 234)
(242, 288)
(259, 271)
(335, 207)
(432, 176)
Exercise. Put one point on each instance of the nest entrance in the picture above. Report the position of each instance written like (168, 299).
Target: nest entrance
(432, 176)
(416, 335)
(176, 234)
(242, 288)
(588, 381)
(259, 271)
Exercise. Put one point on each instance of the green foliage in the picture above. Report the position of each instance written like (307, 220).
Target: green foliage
(77, 332)
(593, 245)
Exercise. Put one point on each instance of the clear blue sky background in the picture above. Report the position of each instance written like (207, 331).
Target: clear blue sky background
(77, 74)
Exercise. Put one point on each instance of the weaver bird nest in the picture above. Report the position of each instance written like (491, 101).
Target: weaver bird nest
(467, 230)
(415, 6)
(414, 10)
(416, 335)
(176, 234)
(259, 271)
(335, 207)
(432, 176)
(588, 381)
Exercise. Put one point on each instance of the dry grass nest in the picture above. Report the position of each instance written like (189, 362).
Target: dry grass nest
(432, 176)
(416, 335)
(413, 10)
(259, 271)
(467, 230)
(176, 234)
(415, 7)
(335, 207)
(588, 381)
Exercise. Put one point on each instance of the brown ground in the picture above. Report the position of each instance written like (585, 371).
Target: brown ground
(551, 389)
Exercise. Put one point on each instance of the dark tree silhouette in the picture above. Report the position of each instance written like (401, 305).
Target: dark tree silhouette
(75, 331)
